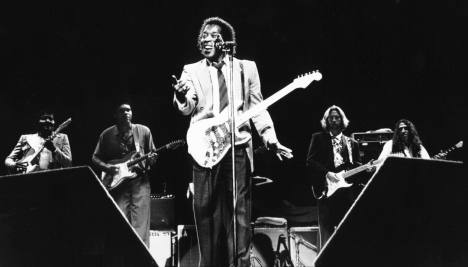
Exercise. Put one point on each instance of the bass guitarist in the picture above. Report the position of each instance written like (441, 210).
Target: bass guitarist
(118, 142)
(330, 152)
(201, 92)
(45, 152)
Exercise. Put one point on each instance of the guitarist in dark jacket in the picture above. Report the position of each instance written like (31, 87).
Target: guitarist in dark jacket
(56, 152)
(330, 152)
(117, 142)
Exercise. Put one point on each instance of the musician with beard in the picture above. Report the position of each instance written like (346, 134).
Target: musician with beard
(330, 152)
(55, 154)
(201, 92)
(405, 142)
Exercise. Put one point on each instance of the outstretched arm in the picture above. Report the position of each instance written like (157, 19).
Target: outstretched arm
(185, 96)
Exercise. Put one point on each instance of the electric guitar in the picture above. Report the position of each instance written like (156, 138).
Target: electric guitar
(341, 176)
(26, 162)
(443, 153)
(209, 140)
(124, 165)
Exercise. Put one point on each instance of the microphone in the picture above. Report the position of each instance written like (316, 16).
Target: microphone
(225, 45)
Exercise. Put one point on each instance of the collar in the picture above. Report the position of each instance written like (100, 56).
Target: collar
(339, 136)
(210, 64)
(132, 126)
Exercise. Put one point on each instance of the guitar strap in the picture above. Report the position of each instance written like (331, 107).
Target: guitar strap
(347, 143)
(136, 137)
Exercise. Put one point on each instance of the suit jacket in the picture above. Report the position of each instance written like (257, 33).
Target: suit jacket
(247, 93)
(62, 157)
(320, 158)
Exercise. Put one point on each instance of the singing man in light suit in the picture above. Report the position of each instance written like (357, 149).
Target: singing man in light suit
(202, 93)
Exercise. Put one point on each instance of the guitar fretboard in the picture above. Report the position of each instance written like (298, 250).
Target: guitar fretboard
(265, 104)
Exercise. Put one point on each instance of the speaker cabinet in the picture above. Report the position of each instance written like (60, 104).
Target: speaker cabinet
(411, 213)
(162, 213)
(187, 246)
(304, 245)
(64, 217)
(162, 246)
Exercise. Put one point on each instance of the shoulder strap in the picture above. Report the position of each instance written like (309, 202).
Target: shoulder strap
(347, 143)
(136, 138)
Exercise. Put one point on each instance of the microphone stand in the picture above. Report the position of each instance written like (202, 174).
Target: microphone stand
(229, 50)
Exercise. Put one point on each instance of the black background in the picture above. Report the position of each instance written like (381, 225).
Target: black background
(380, 60)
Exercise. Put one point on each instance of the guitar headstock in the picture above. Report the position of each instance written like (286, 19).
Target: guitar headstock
(302, 81)
(459, 144)
(175, 144)
(62, 126)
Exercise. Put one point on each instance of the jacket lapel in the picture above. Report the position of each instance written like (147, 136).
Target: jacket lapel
(205, 81)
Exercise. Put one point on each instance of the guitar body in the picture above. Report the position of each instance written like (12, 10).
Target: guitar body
(209, 140)
(124, 173)
(30, 160)
(341, 183)
(27, 161)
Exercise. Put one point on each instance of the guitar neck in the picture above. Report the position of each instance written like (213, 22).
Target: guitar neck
(361, 168)
(171, 145)
(444, 153)
(355, 170)
(145, 156)
(138, 160)
(257, 109)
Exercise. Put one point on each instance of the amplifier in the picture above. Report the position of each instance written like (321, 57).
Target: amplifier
(162, 212)
(373, 136)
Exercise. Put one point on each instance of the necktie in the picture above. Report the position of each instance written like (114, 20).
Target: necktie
(223, 97)
(337, 149)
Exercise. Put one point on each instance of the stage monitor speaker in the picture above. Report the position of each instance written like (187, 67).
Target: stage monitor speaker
(304, 245)
(162, 247)
(187, 246)
(412, 212)
(62, 218)
(162, 213)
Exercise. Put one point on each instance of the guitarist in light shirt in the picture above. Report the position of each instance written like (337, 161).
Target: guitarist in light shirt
(201, 93)
(56, 152)
(330, 152)
(118, 142)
